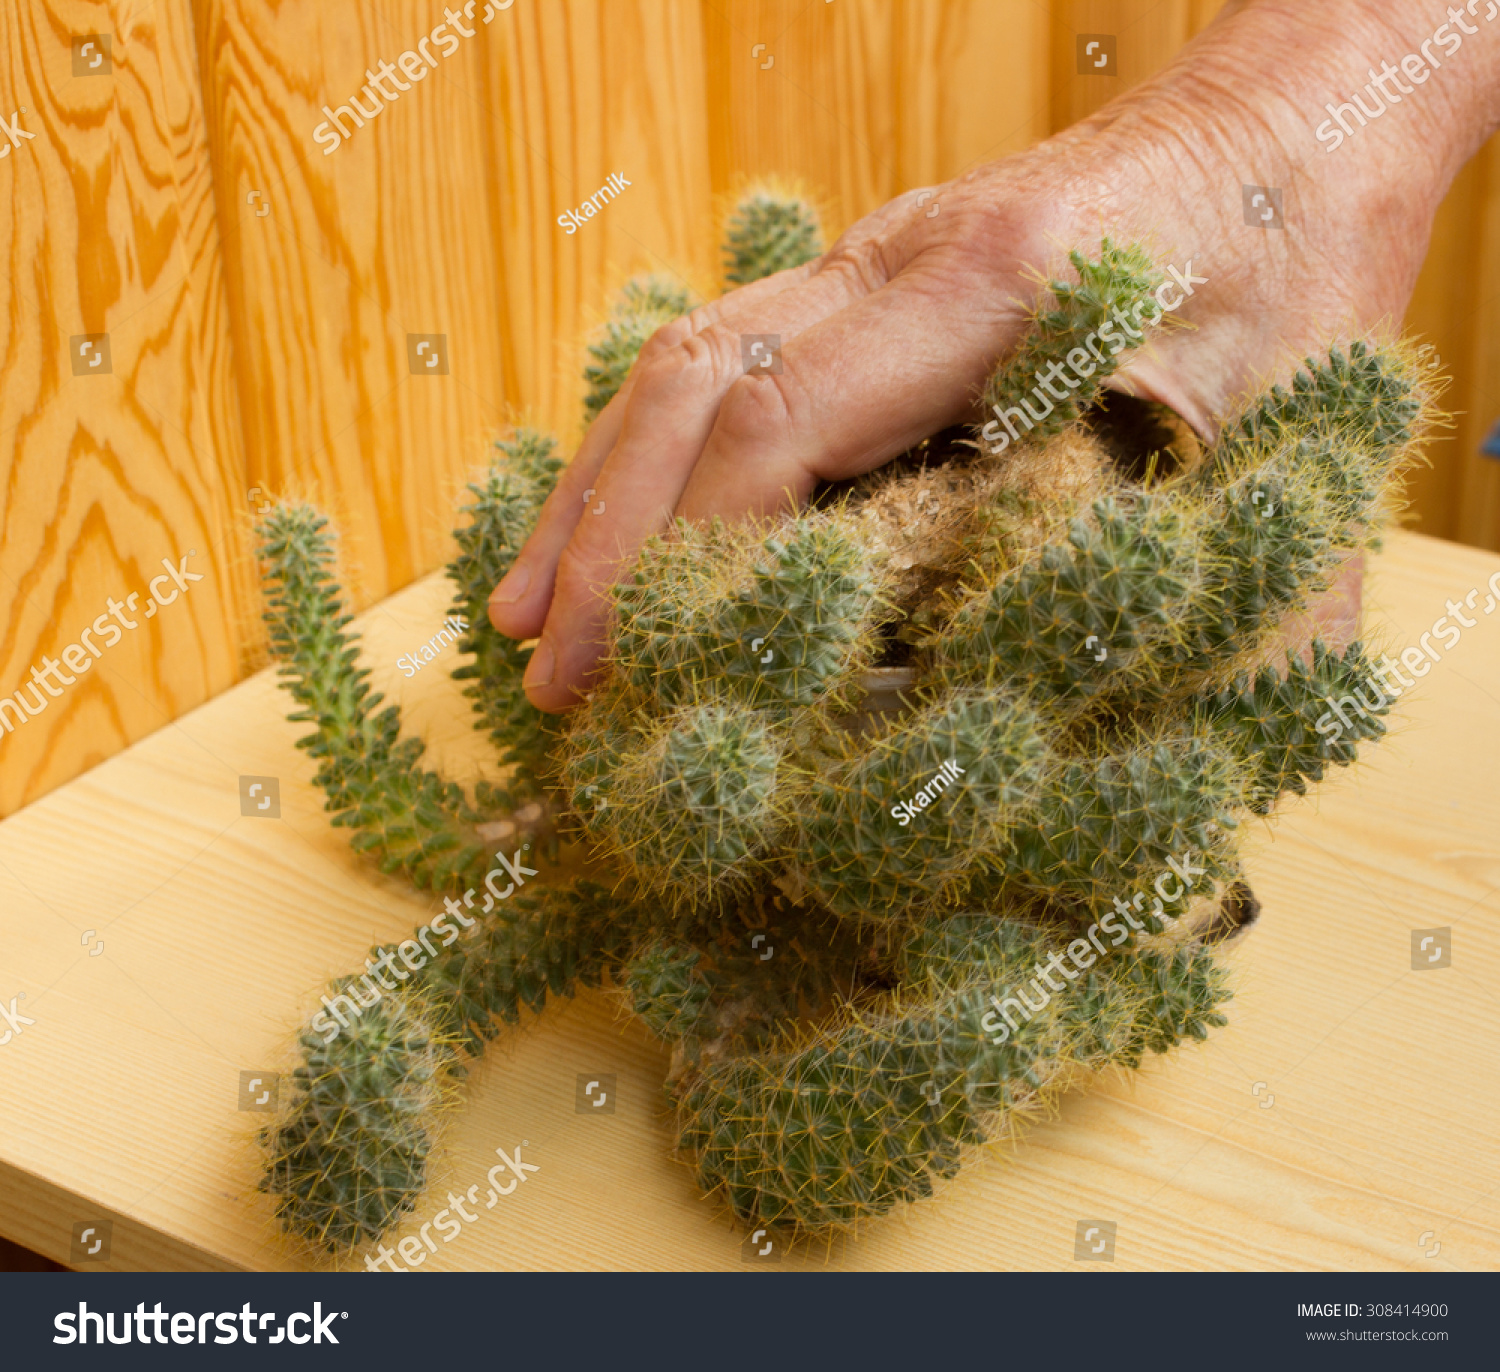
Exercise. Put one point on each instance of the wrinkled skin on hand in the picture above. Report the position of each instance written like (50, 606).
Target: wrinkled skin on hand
(891, 334)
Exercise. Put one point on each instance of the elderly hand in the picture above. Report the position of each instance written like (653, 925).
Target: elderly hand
(891, 334)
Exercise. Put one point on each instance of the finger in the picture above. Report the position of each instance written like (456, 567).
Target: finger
(1332, 616)
(855, 390)
(667, 420)
(518, 605)
(1177, 376)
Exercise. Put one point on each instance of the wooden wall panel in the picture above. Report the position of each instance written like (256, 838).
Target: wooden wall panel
(1478, 391)
(109, 228)
(1147, 35)
(340, 257)
(969, 84)
(801, 91)
(1437, 313)
(623, 92)
(868, 98)
(1455, 307)
(258, 294)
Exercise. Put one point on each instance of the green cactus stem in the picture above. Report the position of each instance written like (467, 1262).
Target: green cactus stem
(769, 233)
(644, 306)
(1073, 347)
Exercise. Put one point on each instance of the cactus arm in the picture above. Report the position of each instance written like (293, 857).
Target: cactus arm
(500, 518)
(1368, 391)
(867, 1115)
(349, 1157)
(695, 803)
(781, 631)
(1086, 614)
(407, 817)
(970, 764)
(1107, 290)
(1298, 724)
(1110, 825)
(644, 306)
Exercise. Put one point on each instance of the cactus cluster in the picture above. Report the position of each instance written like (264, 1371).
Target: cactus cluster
(858, 781)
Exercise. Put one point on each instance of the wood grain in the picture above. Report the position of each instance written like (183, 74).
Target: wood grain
(624, 93)
(110, 228)
(390, 235)
(258, 295)
(864, 100)
(1461, 499)
(1376, 1117)
(1147, 35)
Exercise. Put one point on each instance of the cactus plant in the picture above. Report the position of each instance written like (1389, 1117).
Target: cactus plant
(769, 230)
(1088, 708)
(645, 304)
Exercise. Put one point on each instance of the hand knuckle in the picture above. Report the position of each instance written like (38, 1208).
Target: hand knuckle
(860, 260)
(684, 370)
(756, 410)
(664, 341)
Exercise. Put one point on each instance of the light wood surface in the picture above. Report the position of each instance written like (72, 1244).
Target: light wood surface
(1378, 1118)
(258, 294)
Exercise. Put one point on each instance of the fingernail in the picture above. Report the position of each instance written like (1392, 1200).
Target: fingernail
(543, 662)
(513, 585)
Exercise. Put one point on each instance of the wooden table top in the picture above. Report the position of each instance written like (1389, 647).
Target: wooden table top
(1347, 1118)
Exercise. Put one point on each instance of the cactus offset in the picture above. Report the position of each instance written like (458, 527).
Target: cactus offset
(645, 304)
(768, 232)
(845, 915)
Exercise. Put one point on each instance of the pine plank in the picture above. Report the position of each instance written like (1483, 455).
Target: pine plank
(585, 89)
(219, 931)
(1477, 392)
